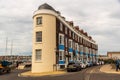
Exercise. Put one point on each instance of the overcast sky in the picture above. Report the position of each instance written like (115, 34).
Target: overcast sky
(100, 18)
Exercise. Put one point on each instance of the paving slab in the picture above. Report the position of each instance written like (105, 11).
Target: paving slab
(109, 68)
(30, 74)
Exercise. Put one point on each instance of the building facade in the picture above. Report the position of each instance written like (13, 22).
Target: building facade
(103, 57)
(113, 55)
(57, 41)
(16, 58)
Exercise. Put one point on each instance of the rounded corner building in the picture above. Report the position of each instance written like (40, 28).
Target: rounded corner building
(57, 41)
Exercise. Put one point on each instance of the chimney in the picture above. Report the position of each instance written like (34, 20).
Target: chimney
(85, 33)
(71, 23)
(82, 31)
(77, 28)
(63, 17)
(90, 37)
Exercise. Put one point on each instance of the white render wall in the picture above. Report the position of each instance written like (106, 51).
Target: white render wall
(48, 44)
(114, 55)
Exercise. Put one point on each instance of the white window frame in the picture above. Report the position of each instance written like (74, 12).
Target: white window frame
(71, 56)
(38, 55)
(61, 56)
(39, 37)
(81, 40)
(77, 46)
(70, 43)
(61, 39)
(73, 35)
(78, 38)
(90, 50)
(66, 30)
(73, 45)
(61, 27)
(66, 42)
(78, 57)
(38, 20)
(81, 48)
(69, 32)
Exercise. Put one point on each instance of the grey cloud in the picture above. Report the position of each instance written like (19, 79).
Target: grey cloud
(119, 1)
(115, 15)
(100, 18)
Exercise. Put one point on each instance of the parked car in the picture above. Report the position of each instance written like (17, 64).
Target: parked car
(101, 62)
(73, 66)
(5, 67)
(83, 65)
(88, 64)
(98, 63)
(94, 63)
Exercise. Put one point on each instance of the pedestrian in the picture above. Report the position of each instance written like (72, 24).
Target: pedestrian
(17, 64)
(117, 64)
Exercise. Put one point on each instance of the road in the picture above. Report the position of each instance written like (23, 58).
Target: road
(91, 73)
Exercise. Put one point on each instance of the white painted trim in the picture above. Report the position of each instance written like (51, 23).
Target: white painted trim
(61, 55)
(62, 39)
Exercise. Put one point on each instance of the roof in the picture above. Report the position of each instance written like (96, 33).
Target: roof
(46, 6)
(113, 52)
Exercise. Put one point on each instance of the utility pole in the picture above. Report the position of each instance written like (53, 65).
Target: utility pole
(6, 47)
(11, 49)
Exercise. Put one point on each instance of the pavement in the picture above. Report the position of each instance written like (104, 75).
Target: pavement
(30, 74)
(109, 68)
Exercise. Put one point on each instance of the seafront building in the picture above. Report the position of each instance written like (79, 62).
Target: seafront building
(113, 55)
(57, 41)
(14, 58)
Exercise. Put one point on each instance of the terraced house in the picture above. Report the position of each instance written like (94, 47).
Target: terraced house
(57, 41)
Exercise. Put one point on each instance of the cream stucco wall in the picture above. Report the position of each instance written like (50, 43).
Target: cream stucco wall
(114, 55)
(48, 44)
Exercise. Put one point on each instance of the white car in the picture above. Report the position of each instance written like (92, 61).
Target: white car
(98, 63)
(102, 62)
(83, 65)
(88, 64)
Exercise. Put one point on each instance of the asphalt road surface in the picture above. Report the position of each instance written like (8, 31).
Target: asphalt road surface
(91, 73)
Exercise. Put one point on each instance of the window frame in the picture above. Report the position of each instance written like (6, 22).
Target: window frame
(71, 56)
(66, 30)
(61, 55)
(39, 37)
(61, 39)
(61, 26)
(38, 55)
(69, 32)
(70, 43)
(38, 20)
(73, 35)
(66, 42)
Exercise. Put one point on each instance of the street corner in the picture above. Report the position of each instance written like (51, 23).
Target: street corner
(109, 68)
(30, 74)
